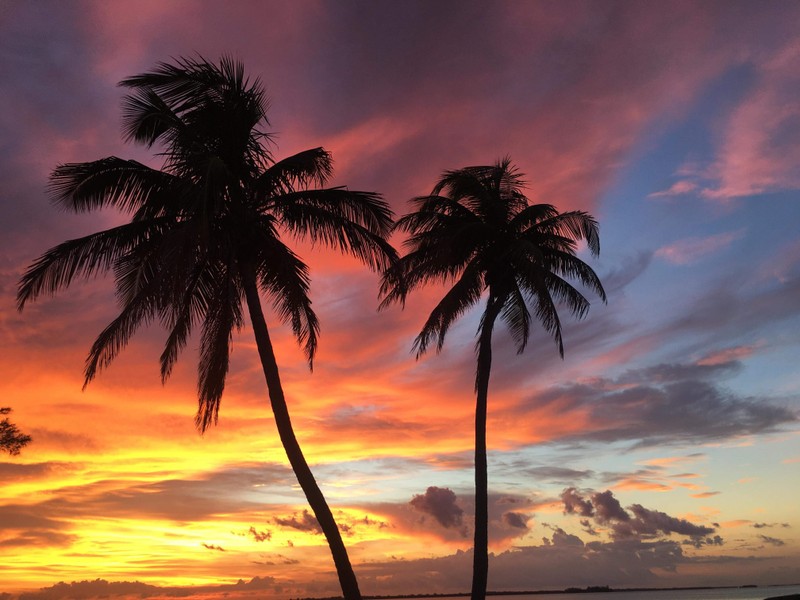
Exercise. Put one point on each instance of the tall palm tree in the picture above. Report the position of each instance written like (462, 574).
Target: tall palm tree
(204, 238)
(478, 231)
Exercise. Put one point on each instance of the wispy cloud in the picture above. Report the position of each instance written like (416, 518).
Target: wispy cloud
(690, 250)
(679, 188)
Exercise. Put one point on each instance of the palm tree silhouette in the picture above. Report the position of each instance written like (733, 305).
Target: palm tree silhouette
(478, 231)
(12, 440)
(204, 237)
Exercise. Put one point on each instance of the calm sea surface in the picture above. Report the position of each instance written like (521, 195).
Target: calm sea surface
(759, 593)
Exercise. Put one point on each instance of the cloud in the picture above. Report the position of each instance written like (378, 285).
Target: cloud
(213, 547)
(101, 588)
(728, 355)
(678, 188)
(553, 474)
(652, 522)
(440, 503)
(562, 558)
(515, 519)
(304, 522)
(689, 250)
(641, 523)
(607, 508)
(260, 536)
(574, 503)
(760, 147)
(666, 404)
(771, 541)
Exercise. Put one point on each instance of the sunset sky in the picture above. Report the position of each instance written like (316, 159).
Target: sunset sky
(663, 450)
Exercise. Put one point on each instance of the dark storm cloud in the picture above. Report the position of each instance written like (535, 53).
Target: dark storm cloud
(440, 503)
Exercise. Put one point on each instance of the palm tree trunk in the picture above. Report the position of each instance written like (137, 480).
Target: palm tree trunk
(480, 557)
(305, 478)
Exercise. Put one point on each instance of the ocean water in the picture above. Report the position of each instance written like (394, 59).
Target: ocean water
(758, 593)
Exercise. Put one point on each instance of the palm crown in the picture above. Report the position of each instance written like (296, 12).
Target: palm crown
(211, 216)
(478, 231)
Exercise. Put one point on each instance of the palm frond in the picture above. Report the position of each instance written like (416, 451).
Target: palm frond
(309, 167)
(285, 279)
(565, 264)
(146, 118)
(576, 225)
(459, 298)
(336, 225)
(367, 209)
(110, 183)
(82, 257)
(517, 318)
(140, 310)
(224, 316)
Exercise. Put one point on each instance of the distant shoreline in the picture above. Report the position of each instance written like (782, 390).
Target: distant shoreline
(571, 590)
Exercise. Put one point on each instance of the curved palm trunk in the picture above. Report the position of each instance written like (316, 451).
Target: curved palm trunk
(305, 478)
(480, 560)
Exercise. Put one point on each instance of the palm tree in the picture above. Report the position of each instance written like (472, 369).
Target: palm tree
(478, 231)
(204, 238)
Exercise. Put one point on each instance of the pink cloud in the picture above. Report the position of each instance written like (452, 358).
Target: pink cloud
(760, 150)
(729, 354)
(678, 188)
(689, 250)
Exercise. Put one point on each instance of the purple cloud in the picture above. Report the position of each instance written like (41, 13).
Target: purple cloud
(440, 503)
(304, 522)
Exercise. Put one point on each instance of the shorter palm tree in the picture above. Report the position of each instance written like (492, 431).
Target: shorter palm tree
(478, 231)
